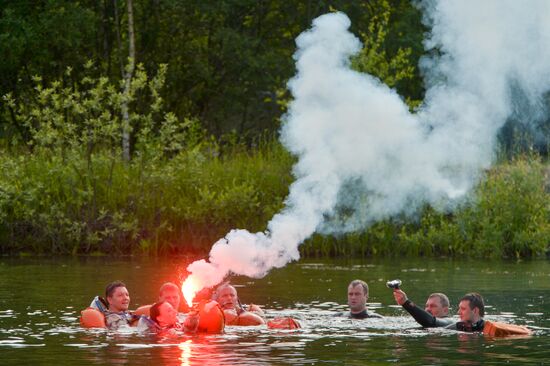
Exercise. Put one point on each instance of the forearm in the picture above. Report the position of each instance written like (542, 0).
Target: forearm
(421, 316)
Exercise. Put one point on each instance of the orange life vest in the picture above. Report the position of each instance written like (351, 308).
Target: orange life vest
(285, 322)
(498, 329)
(92, 318)
(211, 317)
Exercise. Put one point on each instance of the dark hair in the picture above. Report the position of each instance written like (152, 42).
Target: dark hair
(476, 301)
(154, 311)
(112, 287)
(168, 286)
(362, 284)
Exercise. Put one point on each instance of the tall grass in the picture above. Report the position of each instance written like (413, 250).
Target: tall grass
(81, 204)
(77, 204)
(507, 216)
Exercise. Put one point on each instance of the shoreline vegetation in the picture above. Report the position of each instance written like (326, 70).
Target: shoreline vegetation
(101, 204)
(158, 139)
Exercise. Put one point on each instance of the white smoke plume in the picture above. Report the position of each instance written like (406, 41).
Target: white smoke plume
(360, 148)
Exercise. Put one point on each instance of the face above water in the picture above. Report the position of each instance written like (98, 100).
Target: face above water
(227, 297)
(119, 300)
(466, 314)
(434, 307)
(357, 299)
(171, 296)
(167, 315)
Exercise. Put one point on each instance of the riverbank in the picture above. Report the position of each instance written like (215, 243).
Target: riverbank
(100, 204)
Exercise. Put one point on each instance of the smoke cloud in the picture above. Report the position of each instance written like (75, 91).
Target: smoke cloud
(361, 152)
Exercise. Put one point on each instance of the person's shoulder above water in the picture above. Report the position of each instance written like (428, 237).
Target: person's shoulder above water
(235, 313)
(118, 299)
(358, 294)
(471, 310)
(361, 315)
(435, 313)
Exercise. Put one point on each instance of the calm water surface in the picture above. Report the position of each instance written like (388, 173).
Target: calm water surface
(40, 301)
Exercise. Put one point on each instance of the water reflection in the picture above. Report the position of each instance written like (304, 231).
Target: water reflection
(39, 312)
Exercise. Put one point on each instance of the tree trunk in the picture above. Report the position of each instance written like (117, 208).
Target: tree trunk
(128, 74)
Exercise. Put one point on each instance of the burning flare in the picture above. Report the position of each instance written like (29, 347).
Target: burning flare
(189, 288)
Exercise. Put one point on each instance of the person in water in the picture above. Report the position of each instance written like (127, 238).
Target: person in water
(435, 313)
(118, 300)
(235, 313)
(165, 319)
(170, 292)
(358, 294)
(471, 311)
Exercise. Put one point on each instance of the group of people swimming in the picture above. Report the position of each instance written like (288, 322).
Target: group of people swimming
(471, 308)
(164, 316)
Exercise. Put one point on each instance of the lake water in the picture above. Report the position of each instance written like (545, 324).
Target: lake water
(40, 301)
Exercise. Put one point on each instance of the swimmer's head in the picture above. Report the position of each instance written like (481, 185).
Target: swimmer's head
(171, 293)
(438, 305)
(226, 295)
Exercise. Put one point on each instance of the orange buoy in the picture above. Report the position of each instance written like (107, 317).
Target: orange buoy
(211, 317)
(92, 318)
(498, 329)
(285, 322)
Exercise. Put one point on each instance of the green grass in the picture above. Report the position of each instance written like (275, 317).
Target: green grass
(507, 216)
(100, 204)
(104, 205)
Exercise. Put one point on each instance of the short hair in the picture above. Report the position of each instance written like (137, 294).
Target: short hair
(167, 286)
(221, 286)
(476, 301)
(154, 311)
(360, 283)
(443, 299)
(112, 287)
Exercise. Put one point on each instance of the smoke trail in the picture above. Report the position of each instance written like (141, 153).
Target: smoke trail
(361, 150)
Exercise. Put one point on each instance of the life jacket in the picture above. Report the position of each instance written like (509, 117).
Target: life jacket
(92, 318)
(94, 315)
(285, 322)
(211, 317)
(498, 329)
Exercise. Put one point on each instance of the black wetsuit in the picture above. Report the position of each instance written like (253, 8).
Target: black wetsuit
(362, 315)
(424, 318)
(468, 327)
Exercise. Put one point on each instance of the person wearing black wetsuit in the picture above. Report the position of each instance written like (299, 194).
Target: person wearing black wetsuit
(358, 294)
(471, 310)
(435, 313)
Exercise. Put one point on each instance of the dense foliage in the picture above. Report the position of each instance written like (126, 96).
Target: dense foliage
(228, 61)
(203, 107)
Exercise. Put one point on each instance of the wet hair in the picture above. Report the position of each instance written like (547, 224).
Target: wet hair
(110, 289)
(154, 311)
(443, 299)
(168, 286)
(476, 301)
(360, 283)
